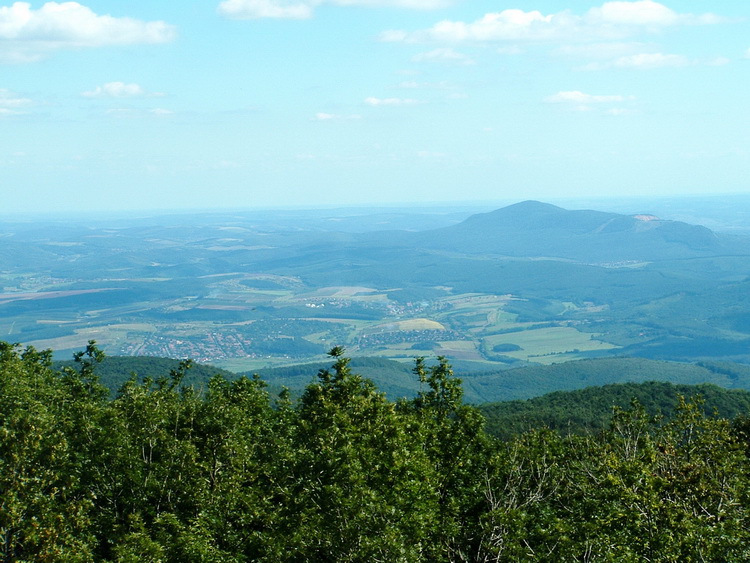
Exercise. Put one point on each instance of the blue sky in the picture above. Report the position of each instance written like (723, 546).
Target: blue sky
(110, 105)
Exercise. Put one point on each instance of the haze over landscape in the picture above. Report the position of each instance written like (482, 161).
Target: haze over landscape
(411, 281)
(203, 182)
(112, 106)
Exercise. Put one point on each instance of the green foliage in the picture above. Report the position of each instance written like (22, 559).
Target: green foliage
(114, 371)
(588, 411)
(164, 472)
(44, 513)
(533, 381)
(452, 435)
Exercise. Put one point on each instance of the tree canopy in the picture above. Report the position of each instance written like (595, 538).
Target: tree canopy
(164, 472)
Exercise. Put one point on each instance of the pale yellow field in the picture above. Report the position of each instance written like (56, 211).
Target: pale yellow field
(340, 291)
(409, 324)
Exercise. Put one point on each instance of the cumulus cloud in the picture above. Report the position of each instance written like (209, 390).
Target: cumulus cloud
(117, 90)
(28, 34)
(444, 55)
(257, 9)
(371, 101)
(646, 13)
(612, 20)
(643, 12)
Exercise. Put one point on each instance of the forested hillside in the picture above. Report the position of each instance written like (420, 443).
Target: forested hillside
(114, 371)
(163, 472)
(589, 411)
(397, 381)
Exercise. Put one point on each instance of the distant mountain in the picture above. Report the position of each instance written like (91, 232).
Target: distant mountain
(534, 229)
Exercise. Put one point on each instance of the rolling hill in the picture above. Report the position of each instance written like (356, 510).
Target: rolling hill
(602, 283)
(533, 229)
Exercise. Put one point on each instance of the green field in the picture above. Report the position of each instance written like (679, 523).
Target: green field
(549, 345)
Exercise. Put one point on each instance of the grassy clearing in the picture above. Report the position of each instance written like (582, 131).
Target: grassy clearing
(407, 325)
(546, 345)
(459, 350)
(104, 337)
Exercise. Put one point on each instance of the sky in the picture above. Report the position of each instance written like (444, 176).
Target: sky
(221, 104)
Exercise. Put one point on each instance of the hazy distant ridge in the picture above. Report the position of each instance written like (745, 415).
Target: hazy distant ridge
(535, 229)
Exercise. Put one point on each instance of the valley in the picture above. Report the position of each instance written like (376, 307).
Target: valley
(530, 283)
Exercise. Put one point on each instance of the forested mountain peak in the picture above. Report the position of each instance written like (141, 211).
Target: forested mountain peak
(533, 228)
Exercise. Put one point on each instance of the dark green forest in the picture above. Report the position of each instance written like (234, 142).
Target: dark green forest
(166, 471)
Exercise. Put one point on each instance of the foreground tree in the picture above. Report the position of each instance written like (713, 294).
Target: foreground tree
(169, 473)
(452, 435)
(44, 512)
(364, 487)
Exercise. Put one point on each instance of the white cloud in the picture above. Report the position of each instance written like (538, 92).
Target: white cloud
(116, 90)
(443, 55)
(322, 116)
(578, 97)
(643, 61)
(649, 13)
(10, 102)
(413, 85)
(579, 101)
(29, 35)
(612, 20)
(643, 12)
(651, 60)
(609, 50)
(718, 61)
(510, 50)
(257, 9)
(747, 54)
(371, 101)
(138, 113)
(410, 4)
(508, 25)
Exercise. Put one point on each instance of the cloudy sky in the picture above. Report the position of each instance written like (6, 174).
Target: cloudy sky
(111, 105)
